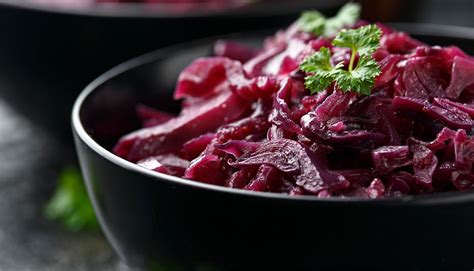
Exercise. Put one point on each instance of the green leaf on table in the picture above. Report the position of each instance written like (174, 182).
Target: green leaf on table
(70, 203)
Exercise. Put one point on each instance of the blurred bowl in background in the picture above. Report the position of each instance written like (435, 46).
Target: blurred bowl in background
(177, 8)
(50, 52)
(128, 7)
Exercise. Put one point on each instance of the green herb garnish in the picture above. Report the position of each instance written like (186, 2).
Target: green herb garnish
(70, 203)
(315, 22)
(359, 77)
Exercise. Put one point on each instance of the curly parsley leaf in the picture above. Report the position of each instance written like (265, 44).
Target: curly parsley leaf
(364, 40)
(319, 64)
(70, 203)
(359, 77)
(315, 22)
(312, 22)
(349, 14)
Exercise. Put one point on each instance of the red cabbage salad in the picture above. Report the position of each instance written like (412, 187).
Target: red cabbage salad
(330, 107)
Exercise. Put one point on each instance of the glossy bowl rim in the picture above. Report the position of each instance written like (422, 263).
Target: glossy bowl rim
(410, 200)
(136, 11)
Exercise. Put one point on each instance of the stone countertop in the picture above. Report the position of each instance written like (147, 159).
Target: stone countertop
(30, 160)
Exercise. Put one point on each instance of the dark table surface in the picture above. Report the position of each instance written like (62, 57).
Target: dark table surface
(30, 161)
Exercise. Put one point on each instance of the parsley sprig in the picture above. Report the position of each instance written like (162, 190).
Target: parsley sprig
(360, 76)
(315, 22)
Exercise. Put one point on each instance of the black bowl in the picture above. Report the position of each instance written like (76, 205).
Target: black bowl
(49, 54)
(152, 218)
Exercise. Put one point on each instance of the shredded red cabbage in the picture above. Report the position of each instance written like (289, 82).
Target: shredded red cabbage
(249, 123)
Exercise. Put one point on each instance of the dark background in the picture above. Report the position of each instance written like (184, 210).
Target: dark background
(45, 60)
